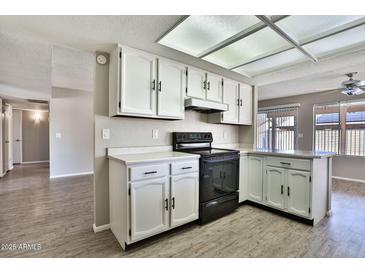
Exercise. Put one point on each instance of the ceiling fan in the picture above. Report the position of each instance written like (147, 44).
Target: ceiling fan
(350, 87)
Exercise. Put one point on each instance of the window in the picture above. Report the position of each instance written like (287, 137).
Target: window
(277, 128)
(340, 128)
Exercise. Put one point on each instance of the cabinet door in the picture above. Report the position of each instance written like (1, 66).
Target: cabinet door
(149, 207)
(196, 83)
(243, 185)
(138, 82)
(171, 87)
(275, 183)
(214, 88)
(245, 108)
(298, 192)
(230, 97)
(255, 183)
(184, 198)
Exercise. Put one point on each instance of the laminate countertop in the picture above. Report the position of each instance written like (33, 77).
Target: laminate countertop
(153, 157)
(305, 154)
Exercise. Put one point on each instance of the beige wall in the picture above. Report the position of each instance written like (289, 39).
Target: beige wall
(71, 115)
(126, 132)
(349, 167)
(35, 137)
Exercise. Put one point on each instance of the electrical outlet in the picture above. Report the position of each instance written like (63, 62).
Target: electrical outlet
(300, 135)
(154, 133)
(58, 135)
(105, 133)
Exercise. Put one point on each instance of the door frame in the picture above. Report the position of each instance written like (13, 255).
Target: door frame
(21, 134)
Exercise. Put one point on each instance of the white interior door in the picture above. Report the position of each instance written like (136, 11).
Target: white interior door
(298, 192)
(275, 183)
(17, 136)
(230, 97)
(149, 207)
(184, 198)
(255, 185)
(245, 108)
(138, 83)
(195, 83)
(214, 88)
(171, 87)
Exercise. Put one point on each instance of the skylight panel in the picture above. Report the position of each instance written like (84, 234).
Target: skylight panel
(304, 27)
(272, 63)
(199, 33)
(339, 42)
(256, 45)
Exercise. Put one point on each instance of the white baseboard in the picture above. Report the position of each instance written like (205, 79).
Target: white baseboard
(100, 228)
(71, 175)
(34, 162)
(349, 179)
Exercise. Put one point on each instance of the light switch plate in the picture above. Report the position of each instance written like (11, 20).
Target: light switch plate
(58, 135)
(154, 133)
(300, 135)
(105, 133)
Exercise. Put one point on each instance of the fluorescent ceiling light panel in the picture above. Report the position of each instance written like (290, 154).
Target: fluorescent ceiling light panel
(256, 45)
(304, 27)
(339, 42)
(272, 63)
(198, 33)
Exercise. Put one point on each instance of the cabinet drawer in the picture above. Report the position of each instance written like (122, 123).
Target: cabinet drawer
(184, 167)
(288, 163)
(150, 171)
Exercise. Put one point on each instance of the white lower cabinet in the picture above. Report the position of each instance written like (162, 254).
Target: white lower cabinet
(255, 184)
(184, 198)
(275, 183)
(243, 184)
(298, 192)
(149, 207)
(149, 198)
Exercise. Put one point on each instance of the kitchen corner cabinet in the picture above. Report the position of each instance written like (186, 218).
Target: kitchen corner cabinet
(142, 85)
(238, 96)
(149, 198)
(299, 186)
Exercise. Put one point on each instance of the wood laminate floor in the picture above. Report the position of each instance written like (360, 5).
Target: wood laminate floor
(58, 215)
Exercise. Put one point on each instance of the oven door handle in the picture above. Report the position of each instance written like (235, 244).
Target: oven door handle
(220, 160)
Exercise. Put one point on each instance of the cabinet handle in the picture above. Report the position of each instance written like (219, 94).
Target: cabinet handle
(284, 163)
(187, 167)
(154, 85)
(282, 189)
(173, 202)
(288, 191)
(159, 86)
(167, 204)
(238, 102)
(204, 84)
(150, 172)
(241, 102)
(209, 85)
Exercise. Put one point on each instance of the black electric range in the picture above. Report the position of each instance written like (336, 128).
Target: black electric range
(218, 174)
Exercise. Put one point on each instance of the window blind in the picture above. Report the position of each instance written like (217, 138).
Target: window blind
(277, 128)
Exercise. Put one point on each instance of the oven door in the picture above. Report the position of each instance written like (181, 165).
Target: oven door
(219, 177)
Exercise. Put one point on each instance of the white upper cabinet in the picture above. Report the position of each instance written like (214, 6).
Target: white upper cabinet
(230, 94)
(170, 89)
(196, 82)
(298, 192)
(214, 88)
(245, 104)
(138, 83)
(149, 201)
(184, 198)
(138, 86)
(275, 183)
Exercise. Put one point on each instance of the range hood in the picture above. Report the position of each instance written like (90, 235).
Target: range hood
(204, 106)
